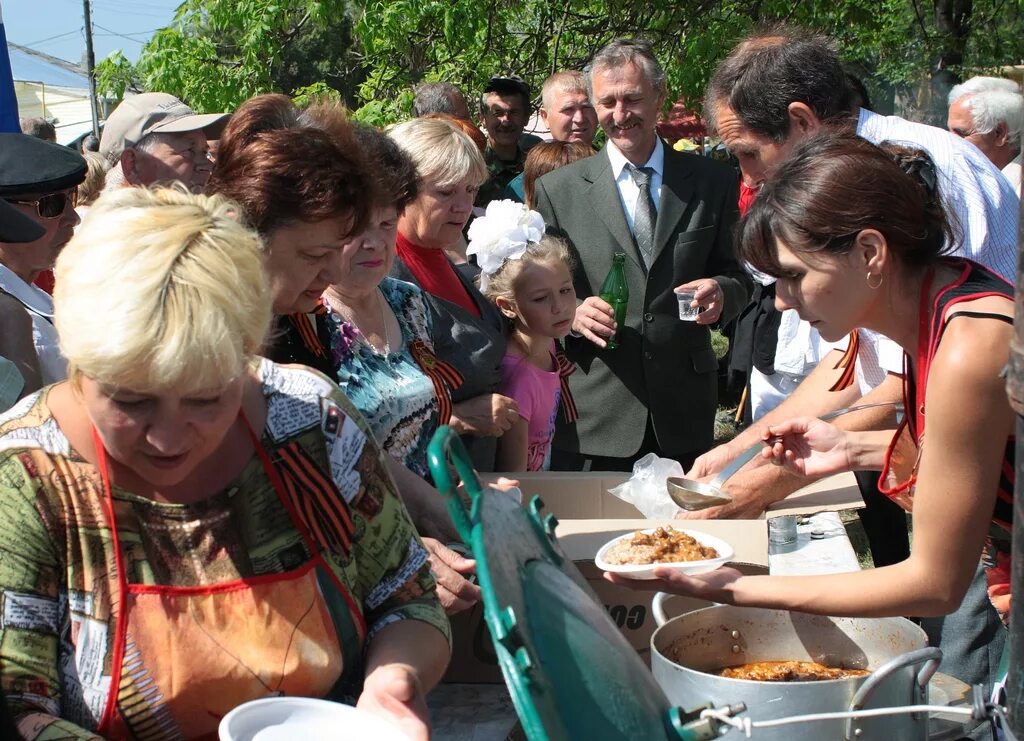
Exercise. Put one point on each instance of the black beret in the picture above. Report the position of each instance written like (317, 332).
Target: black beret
(30, 166)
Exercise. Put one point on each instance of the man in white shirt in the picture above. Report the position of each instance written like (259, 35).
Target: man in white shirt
(989, 113)
(39, 180)
(21, 377)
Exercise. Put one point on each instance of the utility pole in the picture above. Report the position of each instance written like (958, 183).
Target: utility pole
(90, 66)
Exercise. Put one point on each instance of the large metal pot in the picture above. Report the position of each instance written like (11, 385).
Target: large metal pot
(686, 648)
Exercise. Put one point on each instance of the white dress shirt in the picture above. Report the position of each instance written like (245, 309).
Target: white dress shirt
(628, 190)
(1012, 173)
(39, 306)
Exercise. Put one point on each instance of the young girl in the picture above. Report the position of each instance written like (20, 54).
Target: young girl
(529, 277)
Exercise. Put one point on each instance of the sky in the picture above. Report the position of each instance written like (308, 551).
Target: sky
(56, 26)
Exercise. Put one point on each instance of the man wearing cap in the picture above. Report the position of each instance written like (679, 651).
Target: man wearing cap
(155, 138)
(504, 111)
(38, 179)
(19, 366)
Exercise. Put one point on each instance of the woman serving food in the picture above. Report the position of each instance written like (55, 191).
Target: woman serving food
(856, 237)
(187, 526)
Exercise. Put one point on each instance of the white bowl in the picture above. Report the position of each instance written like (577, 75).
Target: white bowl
(646, 570)
(290, 718)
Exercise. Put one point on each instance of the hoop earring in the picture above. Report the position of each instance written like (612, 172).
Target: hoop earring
(877, 285)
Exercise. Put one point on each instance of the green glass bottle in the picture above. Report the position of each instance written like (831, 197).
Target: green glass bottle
(615, 291)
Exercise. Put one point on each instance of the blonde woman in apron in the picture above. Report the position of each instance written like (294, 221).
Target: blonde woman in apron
(187, 526)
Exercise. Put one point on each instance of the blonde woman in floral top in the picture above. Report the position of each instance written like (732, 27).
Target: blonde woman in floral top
(185, 526)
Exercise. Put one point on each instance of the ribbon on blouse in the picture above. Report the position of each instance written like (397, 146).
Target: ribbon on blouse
(307, 330)
(848, 363)
(444, 377)
(565, 369)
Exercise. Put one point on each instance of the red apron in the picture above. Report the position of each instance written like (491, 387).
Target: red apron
(185, 656)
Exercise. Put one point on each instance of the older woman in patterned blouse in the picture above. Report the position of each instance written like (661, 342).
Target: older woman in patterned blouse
(188, 526)
(381, 327)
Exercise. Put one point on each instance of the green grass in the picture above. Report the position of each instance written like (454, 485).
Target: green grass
(858, 539)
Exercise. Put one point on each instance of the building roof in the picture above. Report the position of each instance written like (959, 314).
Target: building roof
(29, 65)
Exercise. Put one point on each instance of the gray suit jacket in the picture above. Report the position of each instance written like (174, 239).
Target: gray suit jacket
(663, 366)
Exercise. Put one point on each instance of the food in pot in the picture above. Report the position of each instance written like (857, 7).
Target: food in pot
(788, 671)
(664, 545)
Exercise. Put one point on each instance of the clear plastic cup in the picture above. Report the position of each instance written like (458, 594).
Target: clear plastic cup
(686, 312)
(782, 530)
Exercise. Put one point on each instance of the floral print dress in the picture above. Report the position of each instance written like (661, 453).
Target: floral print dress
(395, 396)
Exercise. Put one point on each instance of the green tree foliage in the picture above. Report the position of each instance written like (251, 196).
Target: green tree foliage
(218, 53)
(895, 44)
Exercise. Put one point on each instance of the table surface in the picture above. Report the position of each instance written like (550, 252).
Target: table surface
(831, 554)
(484, 712)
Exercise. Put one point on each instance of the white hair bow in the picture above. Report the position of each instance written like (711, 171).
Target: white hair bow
(502, 233)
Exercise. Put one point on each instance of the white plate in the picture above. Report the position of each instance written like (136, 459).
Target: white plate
(290, 718)
(646, 570)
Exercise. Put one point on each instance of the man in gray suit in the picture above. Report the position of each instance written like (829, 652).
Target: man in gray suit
(672, 214)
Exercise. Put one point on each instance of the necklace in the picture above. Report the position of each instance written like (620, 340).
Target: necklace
(346, 314)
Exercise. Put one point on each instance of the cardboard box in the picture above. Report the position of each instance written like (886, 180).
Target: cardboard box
(584, 496)
(588, 518)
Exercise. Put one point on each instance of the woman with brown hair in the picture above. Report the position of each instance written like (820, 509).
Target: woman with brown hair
(857, 238)
(303, 183)
(548, 156)
(382, 331)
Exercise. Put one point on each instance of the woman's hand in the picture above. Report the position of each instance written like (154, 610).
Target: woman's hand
(487, 415)
(455, 592)
(808, 447)
(714, 586)
(393, 692)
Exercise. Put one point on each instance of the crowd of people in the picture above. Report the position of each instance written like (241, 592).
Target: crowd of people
(227, 339)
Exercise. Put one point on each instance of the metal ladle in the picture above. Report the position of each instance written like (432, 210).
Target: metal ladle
(693, 495)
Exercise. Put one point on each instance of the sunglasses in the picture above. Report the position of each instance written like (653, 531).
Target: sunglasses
(49, 206)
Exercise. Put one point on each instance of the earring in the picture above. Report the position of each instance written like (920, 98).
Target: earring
(877, 285)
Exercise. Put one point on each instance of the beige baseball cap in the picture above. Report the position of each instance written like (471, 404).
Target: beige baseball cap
(148, 113)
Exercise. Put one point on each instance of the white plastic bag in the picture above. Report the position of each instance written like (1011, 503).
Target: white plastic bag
(646, 489)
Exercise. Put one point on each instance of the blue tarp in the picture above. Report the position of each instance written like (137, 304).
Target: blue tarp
(8, 101)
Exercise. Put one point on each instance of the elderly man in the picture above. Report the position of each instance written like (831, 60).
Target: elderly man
(39, 180)
(440, 97)
(21, 377)
(504, 111)
(773, 90)
(989, 113)
(672, 214)
(155, 138)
